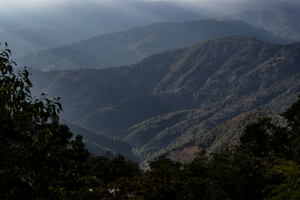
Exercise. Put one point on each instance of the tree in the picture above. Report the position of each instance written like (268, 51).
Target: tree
(109, 168)
(159, 183)
(37, 161)
(195, 173)
(287, 147)
(290, 188)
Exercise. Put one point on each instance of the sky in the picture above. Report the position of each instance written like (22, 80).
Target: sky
(44, 12)
(29, 4)
(94, 17)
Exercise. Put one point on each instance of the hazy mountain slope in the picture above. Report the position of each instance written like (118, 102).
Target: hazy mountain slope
(125, 48)
(218, 138)
(26, 39)
(282, 20)
(22, 27)
(213, 81)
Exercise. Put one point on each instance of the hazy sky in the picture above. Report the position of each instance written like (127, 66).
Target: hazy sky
(45, 3)
(114, 14)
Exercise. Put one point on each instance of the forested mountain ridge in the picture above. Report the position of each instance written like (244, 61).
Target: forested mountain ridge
(218, 138)
(125, 48)
(213, 81)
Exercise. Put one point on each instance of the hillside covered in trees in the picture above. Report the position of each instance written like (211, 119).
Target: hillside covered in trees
(219, 138)
(174, 96)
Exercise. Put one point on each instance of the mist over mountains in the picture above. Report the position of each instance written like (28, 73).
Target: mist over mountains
(83, 20)
(26, 39)
(125, 48)
(282, 20)
(65, 22)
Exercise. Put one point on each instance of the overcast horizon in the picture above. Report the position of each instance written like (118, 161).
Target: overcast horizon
(58, 13)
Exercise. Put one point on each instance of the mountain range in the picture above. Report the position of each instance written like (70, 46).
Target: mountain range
(128, 47)
(175, 96)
